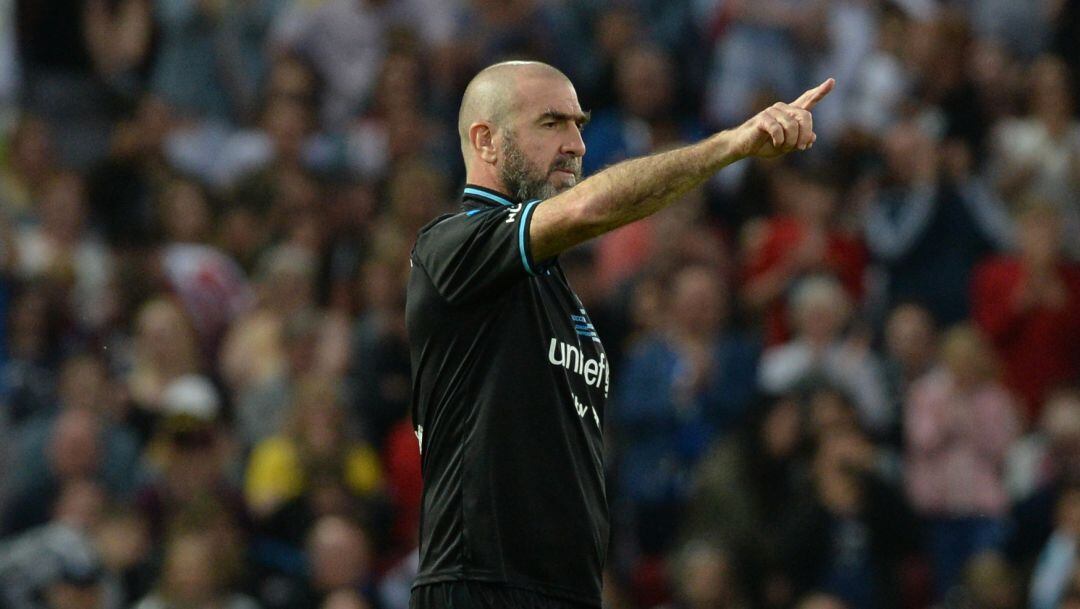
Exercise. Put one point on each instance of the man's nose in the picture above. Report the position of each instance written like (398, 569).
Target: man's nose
(574, 144)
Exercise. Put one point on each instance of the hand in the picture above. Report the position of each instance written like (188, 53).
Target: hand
(781, 128)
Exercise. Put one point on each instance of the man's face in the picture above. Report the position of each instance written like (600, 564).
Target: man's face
(541, 145)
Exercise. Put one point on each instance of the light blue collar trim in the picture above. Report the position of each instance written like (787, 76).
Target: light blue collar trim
(483, 194)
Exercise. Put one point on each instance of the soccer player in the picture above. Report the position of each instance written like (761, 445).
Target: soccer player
(509, 375)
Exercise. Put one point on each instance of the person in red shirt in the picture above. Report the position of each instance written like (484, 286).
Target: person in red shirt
(802, 239)
(1029, 304)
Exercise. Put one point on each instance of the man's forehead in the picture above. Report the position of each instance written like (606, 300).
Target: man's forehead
(539, 94)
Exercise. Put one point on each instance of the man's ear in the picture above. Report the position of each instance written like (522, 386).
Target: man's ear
(482, 137)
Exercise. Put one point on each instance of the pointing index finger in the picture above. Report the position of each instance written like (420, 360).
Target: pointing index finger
(810, 99)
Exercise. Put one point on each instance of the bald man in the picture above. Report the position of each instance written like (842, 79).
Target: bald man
(509, 375)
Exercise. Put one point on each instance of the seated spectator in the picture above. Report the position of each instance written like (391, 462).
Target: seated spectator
(911, 350)
(1050, 451)
(1033, 156)
(197, 572)
(644, 120)
(26, 169)
(285, 470)
(165, 349)
(991, 582)
(959, 425)
(190, 458)
(29, 374)
(927, 230)
(195, 72)
(340, 558)
(81, 441)
(803, 239)
(60, 556)
(819, 351)
(849, 534)
(1029, 305)
(1054, 571)
(683, 386)
(63, 250)
(742, 486)
(704, 577)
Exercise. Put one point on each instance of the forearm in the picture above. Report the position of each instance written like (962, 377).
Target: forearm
(625, 192)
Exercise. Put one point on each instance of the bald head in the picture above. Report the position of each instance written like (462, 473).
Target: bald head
(520, 127)
(493, 94)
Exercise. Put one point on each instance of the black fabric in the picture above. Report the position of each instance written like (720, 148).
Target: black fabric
(509, 386)
(474, 595)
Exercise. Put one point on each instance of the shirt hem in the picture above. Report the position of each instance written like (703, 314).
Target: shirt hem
(545, 589)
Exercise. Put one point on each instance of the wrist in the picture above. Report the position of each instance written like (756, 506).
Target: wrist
(722, 148)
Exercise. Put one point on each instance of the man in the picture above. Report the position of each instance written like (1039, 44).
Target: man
(509, 375)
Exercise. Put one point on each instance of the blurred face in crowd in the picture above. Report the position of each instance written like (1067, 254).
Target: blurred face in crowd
(190, 575)
(81, 504)
(820, 309)
(345, 599)
(1050, 97)
(186, 213)
(415, 192)
(967, 355)
(31, 148)
(698, 302)
(74, 447)
(705, 578)
(910, 338)
(339, 553)
(520, 126)
(1039, 236)
(64, 595)
(644, 81)
(992, 582)
(782, 429)
(63, 209)
(165, 338)
(831, 411)
(910, 154)
(84, 384)
(1060, 423)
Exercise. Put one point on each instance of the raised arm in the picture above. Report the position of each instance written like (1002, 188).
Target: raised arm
(637, 188)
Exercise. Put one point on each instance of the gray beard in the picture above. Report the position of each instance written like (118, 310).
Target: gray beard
(524, 181)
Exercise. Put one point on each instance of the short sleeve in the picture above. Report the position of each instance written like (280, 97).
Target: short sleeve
(476, 253)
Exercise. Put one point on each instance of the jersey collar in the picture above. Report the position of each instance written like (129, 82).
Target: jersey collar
(487, 197)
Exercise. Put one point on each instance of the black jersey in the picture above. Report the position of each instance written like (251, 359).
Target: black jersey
(509, 385)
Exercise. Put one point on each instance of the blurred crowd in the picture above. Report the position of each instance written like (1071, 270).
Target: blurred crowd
(848, 379)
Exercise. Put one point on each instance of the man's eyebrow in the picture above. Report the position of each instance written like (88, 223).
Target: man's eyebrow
(581, 119)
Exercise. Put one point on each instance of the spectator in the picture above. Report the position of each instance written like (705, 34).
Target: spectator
(285, 471)
(1057, 563)
(848, 535)
(26, 170)
(1035, 156)
(1029, 306)
(741, 488)
(63, 251)
(911, 350)
(164, 351)
(683, 386)
(645, 119)
(959, 424)
(704, 579)
(210, 61)
(926, 231)
(80, 441)
(197, 573)
(819, 351)
(340, 557)
(192, 453)
(802, 240)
